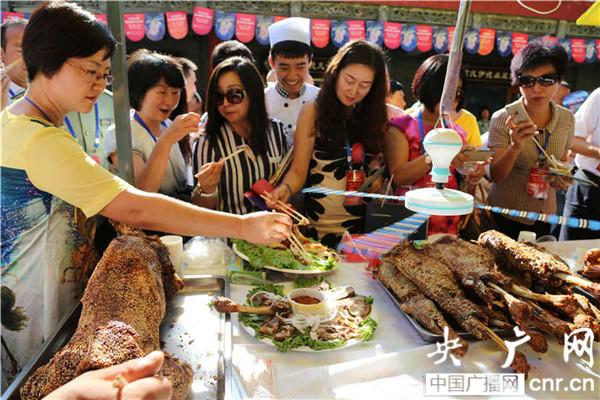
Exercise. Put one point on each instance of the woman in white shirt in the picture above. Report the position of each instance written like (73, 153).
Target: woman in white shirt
(161, 153)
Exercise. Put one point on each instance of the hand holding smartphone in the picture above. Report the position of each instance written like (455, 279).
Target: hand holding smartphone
(518, 112)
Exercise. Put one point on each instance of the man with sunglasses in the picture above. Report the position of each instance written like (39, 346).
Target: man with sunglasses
(290, 57)
(525, 138)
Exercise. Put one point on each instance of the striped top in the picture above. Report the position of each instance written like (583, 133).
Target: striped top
(240, 172)
(512, 192)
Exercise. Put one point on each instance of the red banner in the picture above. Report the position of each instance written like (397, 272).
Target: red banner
(319, 29)
(578, 49)
(7, 16)
(550, 39)
(356, 30)
(279, 18)
(177, 24)
(245, 27)
(202, 21)
(450, 37)
(519, 40)
(598, 48)
(392, 34)
(424, 37)
(102, 18)
(487, 40)
(134, 26)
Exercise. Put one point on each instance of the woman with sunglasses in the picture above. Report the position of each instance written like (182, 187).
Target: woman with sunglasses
(519, 170)
(49, 185)
(405, 155)
(237, 117)
(161, 150)
(339, 140)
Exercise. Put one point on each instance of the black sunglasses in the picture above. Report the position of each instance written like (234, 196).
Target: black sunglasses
(528, 81)
(233, 96)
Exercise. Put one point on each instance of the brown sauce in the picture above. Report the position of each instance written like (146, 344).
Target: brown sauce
(306, 300)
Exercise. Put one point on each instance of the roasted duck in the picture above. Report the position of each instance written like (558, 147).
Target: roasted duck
(123, 306)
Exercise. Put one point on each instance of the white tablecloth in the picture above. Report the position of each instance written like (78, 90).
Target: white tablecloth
(393, 364)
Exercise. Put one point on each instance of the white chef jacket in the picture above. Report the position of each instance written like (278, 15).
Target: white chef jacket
(587, 126)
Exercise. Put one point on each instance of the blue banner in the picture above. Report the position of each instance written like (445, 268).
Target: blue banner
(224, 25)
(504, 43)
(566, 44)
(154, 24)
(409, 37)
(339, 33)
(590, 51)
(375, 32)
(262, 28)
(471, 41)
(440, 39)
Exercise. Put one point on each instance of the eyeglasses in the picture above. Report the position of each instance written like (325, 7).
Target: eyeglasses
(528, 81)
(233, 96)
(93, 75)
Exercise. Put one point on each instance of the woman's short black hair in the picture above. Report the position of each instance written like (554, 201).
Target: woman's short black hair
(536, 54)
(146, 68)
(58, 31)
(428, 83)
(254, 88)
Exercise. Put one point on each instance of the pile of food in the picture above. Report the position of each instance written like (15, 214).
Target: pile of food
(591, 264)
(496, 282)
(270, 317)
(123, 306)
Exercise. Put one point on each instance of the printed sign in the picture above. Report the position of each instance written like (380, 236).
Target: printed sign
(224, 25)
(339, 33)
(504, 43)
(319, 32)
(177, 24)
(440, 39)
(134, 26)
(424, 37)
(375, 32)
(566, 44)
(471, 41)
(262, 28)
(487, 38)
(245, 27)
(392, 34)
(356, 29)
(155, 26)
(519, 40)
(409, 37)
(590, 51)
(202, 20)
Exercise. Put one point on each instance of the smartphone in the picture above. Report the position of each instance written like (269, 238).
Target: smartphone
(479, 155)
(517, 110)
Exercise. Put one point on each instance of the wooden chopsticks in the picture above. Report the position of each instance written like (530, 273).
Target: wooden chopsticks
(243, 148)
(295, 215)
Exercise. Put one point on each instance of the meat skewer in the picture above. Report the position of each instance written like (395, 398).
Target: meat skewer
(537, 342)
(547, 322)
(590, 287)
(415, 304)
(226, 305)
(520, 311)
(563, 302)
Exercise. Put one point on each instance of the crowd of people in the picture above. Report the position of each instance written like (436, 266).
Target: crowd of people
(355, 132)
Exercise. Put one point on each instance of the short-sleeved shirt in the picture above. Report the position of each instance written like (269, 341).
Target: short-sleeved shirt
(587, 126)
(240, 172)
(47, 251)
(468, 122)
(512, 192)
(142, 144)
(281, 107)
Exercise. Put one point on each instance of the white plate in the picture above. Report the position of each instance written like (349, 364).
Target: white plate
(306, 349)
(313, 272)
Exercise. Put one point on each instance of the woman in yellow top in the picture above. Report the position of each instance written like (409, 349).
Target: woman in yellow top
(46, 176)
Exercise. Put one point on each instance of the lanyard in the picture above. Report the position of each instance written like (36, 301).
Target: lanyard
(97, 127)
(11, 93)
(27, 99)
(541, 155)
(143, 124)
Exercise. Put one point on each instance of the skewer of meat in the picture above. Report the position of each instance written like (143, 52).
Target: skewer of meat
(415, 304)
(563, 302)
(546, 322)
(537, 342)
(226, 305)
(546, 268)
(520, 311)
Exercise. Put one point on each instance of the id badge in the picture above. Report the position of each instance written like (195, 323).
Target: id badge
(537, 184)
(354, 179)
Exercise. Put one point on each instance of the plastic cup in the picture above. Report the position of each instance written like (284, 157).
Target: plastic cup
(175, 245)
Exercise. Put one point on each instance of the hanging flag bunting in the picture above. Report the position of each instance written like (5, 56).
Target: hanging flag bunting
(102, 18)
(487, 38)
(566, 44)
(202, 20)
(155, 26)
(519, 40)
(245, 27)
(590, 51)
(440, 39)
(578, 49)
(504, 43)
(7, 16)
(392, 34)
(471, 41)
(356, 29)
(177, 24)
(450, 36)
(339, 33)
(409, 37)
(134, 26)
(319, 29)
(598, 48)
(375, 32)
(224, 25)
(262, 28)
(424, 37)
(550, 39)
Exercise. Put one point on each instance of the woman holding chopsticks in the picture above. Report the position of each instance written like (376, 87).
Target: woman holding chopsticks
(241, 145)
(527, 145)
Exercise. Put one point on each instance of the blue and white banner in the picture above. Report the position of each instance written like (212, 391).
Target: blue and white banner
(375, 32)
(566, 44)
(224, 25)
(155, 26)
(590, 51)
(504, 43)
(440, 39)
(339, 33)
(409, 37)
(472, 41)
(262, 28)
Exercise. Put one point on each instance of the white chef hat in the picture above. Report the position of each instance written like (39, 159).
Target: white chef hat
(296, 29)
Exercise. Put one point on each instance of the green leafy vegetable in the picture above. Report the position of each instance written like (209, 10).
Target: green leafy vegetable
(304, 282)
(367, 328)
(369, 299)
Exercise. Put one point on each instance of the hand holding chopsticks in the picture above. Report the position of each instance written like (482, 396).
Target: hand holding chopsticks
(242, 149)
(295, 215)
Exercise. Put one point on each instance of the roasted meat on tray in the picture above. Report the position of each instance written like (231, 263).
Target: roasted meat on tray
(123, 306)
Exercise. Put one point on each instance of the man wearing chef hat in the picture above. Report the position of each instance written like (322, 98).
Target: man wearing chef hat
(290, 57)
